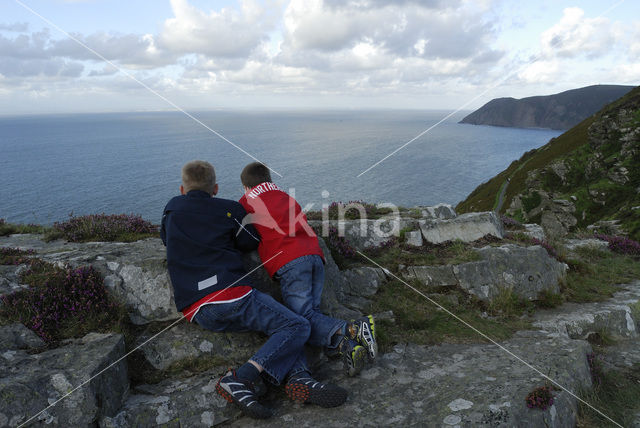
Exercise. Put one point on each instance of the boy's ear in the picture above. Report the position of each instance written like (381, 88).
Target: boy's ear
(181, 189)
(215, 190)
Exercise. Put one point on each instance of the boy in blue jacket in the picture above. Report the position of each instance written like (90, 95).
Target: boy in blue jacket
(205, 238)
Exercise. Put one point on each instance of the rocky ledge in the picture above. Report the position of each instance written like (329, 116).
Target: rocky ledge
(410, 385)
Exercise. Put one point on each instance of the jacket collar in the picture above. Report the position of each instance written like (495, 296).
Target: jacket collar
(198, 194)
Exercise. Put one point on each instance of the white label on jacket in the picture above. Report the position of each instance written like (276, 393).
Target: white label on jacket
(206, 283)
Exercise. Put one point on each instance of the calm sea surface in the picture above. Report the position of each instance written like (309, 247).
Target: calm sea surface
(51, 166)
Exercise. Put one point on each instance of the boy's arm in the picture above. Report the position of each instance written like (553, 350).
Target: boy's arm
(163, 231)
(246, 236)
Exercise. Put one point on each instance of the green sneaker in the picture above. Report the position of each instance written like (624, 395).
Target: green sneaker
(363, 330)
(353, 355)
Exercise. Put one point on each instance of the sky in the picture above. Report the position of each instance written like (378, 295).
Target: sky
(67, 56)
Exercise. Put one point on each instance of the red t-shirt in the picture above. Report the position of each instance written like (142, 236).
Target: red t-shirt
(282, 226)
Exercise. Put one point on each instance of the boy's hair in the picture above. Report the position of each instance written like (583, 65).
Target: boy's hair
(198, 175)
(254, 174)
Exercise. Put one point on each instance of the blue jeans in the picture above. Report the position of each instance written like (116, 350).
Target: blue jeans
(283, 353)
(301, 281)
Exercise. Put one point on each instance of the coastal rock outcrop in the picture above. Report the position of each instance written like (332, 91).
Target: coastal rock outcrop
(466, 228)
(30, 383)
(557, 111)
(526, 271)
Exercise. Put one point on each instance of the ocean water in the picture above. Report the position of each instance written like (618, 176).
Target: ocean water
(56, 165)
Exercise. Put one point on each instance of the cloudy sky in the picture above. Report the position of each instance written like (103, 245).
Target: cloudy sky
(254, 54)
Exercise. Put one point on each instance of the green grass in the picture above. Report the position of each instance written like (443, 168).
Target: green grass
(417, 320)
(592, 277)
(635, 310)
(11, 229)
(617, 396)
(548, 300)
(508, 304)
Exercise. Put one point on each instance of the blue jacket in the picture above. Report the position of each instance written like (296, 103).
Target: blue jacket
(204, 240)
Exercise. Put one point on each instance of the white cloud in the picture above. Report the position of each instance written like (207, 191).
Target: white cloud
(634, 45)
(18, 27)
(129, 50)
(227, 33)
(575, 35)
(333, 38)
(541, 71)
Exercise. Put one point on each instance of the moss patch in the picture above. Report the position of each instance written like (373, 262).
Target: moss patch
(11, 229)
(417, 320)
(617, 395)
(592, 276)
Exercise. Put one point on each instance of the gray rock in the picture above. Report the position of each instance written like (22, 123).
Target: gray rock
(466, 227)
(526, 271)
(607, 227)
(191, 402)
(578, 321)
(185, 341)
(17, 336)
(9, 280)
(414, 238)
(470, 385)
(360, 284)
(558, 217)
(431, 276)
(622, 355)
(369, 233)
(534, 231)
(573, 244)
(440, 211)
(31, 383)
(364, 281)
(478, 279)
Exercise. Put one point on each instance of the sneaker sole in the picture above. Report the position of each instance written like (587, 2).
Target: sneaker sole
(246, 410)
(299, 393)
(320, 397)
(368, 338)
(358, 356)
(220, 390)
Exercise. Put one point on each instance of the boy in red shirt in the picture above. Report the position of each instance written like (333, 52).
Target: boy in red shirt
(299, 267)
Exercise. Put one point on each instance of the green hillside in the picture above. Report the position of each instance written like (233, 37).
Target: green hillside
(595, 166)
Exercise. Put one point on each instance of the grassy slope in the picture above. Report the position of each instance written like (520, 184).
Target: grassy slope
(484, 196)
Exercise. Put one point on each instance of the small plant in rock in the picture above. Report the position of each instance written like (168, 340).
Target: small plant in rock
(102, 227)
(621, 244)
(340, 244)
(379, 249)
(14, 256)
(541, 398)
(510, 223)
(547, 246)
(341, 249)
(61, 302)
